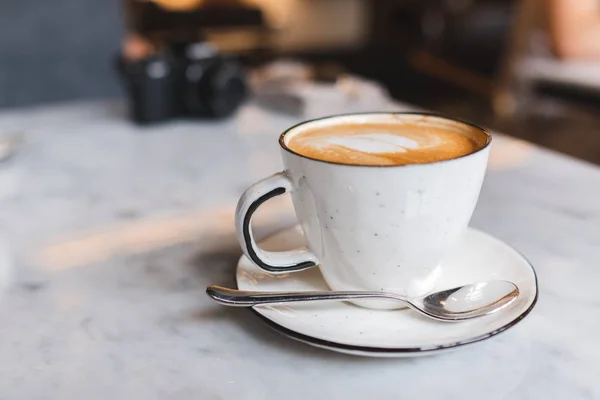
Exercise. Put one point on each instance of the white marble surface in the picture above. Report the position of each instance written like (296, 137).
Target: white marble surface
(115, 231)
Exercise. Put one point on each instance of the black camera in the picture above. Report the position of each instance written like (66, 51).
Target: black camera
(191, 80)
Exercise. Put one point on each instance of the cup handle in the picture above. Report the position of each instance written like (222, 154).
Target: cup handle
(273, 262)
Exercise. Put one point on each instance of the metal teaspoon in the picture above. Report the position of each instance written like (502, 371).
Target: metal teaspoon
(460, 303)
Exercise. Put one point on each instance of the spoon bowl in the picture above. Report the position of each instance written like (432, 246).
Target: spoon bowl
(456, 304)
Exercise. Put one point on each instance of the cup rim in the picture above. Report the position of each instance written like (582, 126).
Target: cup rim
(486, 133)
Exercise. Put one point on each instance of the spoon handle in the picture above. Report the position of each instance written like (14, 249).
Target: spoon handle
(240, 298)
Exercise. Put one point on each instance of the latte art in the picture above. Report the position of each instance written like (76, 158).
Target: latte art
(370, 143)
(383, 143)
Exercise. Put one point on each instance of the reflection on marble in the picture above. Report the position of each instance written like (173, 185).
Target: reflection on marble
(83, 248)
(117, 229)
(509, 153)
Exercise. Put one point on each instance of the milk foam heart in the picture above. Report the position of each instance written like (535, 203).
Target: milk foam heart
(375, 143)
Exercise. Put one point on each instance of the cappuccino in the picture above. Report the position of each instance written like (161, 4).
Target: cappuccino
(409, 140)
(373, 228)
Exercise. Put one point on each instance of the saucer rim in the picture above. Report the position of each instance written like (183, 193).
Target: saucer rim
(382, 351)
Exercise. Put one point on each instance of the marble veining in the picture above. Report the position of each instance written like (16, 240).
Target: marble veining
(116, 230)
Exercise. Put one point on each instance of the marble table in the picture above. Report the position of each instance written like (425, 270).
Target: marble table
(115, 231)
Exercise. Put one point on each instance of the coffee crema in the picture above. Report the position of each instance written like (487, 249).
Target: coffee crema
(385, 143)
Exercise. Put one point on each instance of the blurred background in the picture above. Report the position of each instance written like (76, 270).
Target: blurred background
(516, 66)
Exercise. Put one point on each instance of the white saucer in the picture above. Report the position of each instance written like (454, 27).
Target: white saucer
(347, 328)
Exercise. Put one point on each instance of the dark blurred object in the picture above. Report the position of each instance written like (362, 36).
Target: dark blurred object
(183, 81)
(468, 33)
(170, 69)
(152, 19)
(164, 25)
(462, 43)
(439, 54)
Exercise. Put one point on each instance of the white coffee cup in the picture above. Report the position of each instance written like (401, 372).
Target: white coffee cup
(370, 227)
